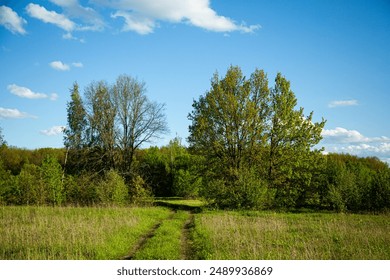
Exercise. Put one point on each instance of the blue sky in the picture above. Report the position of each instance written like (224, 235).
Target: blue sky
(335, 53)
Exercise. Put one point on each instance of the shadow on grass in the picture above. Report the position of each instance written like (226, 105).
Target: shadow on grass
(176, 206)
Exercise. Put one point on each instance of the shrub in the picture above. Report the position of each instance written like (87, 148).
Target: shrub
(139, 191)
(112, 189)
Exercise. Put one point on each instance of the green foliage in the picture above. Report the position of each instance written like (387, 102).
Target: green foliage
(75, 132)
(139, 191)
(2, 140)
(248, 191)
(112, 190)
(242, 124)
(51, 173)
(356, 184)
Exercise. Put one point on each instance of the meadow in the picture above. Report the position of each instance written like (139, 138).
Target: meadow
(70, 233)
(290, 236)
(77, 233)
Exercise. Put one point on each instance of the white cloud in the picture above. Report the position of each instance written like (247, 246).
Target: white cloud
(59, 65)
(341, 140)
(52, 17)
(53, 131)
(77, 64)
(10, 20)
(342, 135)
(25, 92)
(6, 113)
(29, 94)
(69, 36)
(141, 16)
(137, 23)
(53, 96)
(343, 103)
(91, 19)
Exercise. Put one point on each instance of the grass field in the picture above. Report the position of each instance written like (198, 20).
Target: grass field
(73, 233)
(317, 236)
(162, 233)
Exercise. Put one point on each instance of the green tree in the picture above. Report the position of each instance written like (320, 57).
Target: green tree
(2, 140)
(241, 126)
(51, 174)
(229, 123)
(100, 131)
(74, 133)
(292, 136)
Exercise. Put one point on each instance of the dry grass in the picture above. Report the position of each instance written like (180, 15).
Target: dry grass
(256, 235)
(73, 233)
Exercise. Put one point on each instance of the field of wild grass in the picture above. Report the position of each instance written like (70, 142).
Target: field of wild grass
(64, 233)
(73, 233)
(316, 236)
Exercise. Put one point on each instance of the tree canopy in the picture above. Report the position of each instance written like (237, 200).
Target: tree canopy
(242, 124)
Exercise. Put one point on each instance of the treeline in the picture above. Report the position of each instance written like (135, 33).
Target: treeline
(35, 177)
(250, 147)
(38, 177)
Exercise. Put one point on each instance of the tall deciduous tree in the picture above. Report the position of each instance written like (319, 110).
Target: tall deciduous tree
(229, 123)
(74, 133)
(243, 127)
(138, 119)
(291, 140)
(113, 123)
(101, 132)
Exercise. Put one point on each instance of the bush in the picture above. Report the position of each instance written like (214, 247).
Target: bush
(185, 184)
(246, 191)
(112, 189)
(139, 191)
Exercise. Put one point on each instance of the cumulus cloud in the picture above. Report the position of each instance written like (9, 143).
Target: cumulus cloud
(342, 135)
(59, 65)
(6, 113)
(341, 140)
(29, 94)
(141, 16)
(343, 103)
(25, 92)
(53, 131)
(10, 20)
(60, 20)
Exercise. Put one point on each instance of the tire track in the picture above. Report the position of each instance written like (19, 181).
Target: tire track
(144, 239)
(186, 240)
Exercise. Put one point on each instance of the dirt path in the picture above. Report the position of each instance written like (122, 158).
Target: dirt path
(186, 241)
(144, 239)
(186, 250)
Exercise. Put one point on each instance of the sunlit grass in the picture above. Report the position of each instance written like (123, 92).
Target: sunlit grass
(73, 233)
(185, 202)
(166, 242)
(257, 235)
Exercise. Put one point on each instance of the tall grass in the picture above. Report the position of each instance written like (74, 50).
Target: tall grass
(73, 233)
(259, 235)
